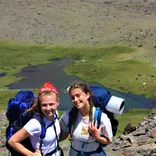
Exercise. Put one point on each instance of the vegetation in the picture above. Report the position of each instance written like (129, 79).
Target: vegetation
(117, 67)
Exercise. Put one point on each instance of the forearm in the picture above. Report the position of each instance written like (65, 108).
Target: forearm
(20, 148)
(15, 140)
(63, 135)
(103, 140)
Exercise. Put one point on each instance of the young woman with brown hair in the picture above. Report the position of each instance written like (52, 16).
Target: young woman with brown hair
(86, 138)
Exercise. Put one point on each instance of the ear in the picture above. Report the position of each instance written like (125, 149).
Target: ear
(88, 95)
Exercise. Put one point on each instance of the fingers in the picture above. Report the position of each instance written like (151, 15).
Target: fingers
(91, 126)
(93, 130)
(100, 127)
(94, 125)
(37, 153)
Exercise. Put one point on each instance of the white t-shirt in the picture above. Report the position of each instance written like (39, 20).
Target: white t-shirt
(81, 135)
(33, 127)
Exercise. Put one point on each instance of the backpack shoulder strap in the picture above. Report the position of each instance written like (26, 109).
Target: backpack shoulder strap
(97, 116)
(43, 127)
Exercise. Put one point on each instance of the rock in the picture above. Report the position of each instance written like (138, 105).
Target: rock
(129, 128)
(153, 133)
(139, 131)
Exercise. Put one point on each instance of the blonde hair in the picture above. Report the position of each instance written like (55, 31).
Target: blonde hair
(36, 107)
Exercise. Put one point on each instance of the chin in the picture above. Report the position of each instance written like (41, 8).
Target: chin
(78, 107)
(49, 115)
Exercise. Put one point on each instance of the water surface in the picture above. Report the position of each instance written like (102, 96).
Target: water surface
(36, 76)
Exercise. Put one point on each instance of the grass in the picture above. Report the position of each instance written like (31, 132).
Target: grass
(118, 67)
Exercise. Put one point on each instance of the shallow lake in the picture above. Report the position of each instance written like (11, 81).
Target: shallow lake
(36, 76)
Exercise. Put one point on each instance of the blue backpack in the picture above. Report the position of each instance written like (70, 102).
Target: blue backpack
(100, 98)
(17, 118)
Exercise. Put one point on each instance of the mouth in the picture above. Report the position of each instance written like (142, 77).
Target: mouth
(49, 113)
(77, 104)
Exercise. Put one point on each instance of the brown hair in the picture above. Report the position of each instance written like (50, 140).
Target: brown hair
(36, 107)
(85, 88)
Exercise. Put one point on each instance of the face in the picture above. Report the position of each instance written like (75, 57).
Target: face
(49, 105)
(79, 98)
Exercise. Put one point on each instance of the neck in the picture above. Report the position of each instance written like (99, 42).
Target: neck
(85, 110)
(51, 118)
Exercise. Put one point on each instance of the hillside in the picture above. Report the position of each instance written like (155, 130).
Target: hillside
(72, 22)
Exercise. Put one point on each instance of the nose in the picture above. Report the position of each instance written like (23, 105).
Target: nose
(75, 98)
(48, 107)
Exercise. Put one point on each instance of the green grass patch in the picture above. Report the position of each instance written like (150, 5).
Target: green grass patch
(116, 67)
(60, 112)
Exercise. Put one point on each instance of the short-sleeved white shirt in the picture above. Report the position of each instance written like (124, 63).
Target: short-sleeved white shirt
(33, 127)
(81, 135)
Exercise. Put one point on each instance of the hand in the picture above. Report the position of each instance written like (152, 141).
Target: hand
(94, 131)
(37, 153)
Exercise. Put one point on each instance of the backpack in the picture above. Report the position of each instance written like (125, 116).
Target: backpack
(17, 118)
(100, 98)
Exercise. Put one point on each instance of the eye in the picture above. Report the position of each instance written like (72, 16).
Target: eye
(77, 95)
(72, 97)
(51, 104)
(44, 105)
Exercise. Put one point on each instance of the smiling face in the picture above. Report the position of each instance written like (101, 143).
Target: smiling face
(49, 103)
(79, 98)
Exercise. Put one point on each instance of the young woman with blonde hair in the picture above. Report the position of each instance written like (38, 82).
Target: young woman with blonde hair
(45, 106)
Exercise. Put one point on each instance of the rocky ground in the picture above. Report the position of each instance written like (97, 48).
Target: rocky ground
(3, 125)
(138, 140)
